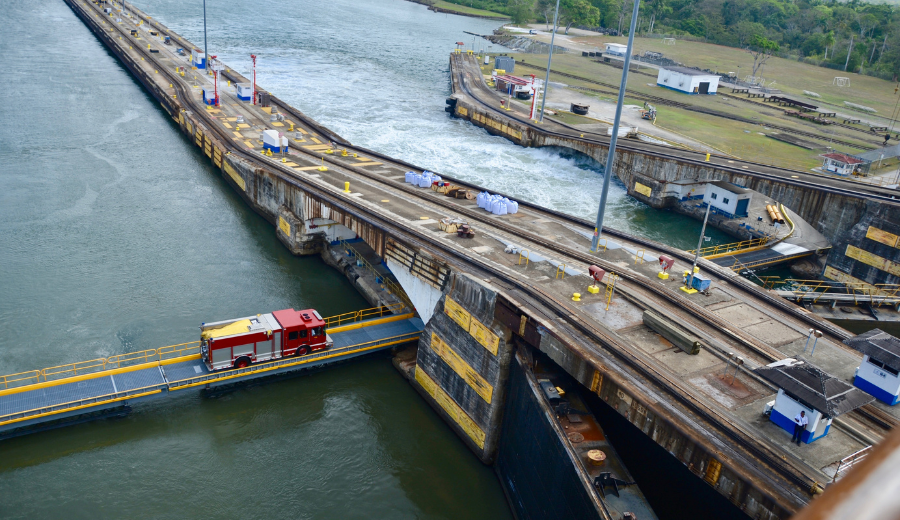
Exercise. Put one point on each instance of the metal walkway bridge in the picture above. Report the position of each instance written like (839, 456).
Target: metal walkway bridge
(41, 399)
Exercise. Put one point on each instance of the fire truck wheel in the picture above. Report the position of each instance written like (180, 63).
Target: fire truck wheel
(242, 362)
(302, 351)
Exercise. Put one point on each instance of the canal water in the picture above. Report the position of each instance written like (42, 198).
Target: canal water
(117, 236)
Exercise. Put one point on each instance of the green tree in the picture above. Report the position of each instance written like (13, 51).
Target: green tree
(578, 12)
(761, 48)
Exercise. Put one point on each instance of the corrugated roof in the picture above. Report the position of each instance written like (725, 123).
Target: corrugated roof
(815, 388)
(879, 345)
(731, 187)
(689, 72)
(844, 158)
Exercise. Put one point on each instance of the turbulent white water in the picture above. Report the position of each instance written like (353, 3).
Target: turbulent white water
(376, 72)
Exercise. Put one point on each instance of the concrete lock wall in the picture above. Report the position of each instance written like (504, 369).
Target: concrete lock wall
(462, 363)
(532, 461)
(694, 451)
(841, 219)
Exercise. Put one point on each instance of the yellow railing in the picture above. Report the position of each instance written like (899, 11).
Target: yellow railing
(162, 353)
(734, 247)
(32, 376)
(262, 367)
(353, 317)
(860, 291)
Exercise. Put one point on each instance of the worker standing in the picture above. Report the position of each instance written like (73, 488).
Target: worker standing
(800, 422)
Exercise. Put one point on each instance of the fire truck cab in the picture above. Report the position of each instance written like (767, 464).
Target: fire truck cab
(239, 342)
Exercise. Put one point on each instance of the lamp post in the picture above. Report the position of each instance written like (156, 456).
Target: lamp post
(550, 57)
(689, 287)
(608, 170)
(205, 48)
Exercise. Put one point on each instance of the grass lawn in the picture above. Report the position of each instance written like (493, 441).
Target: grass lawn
(468, 10)
(790, 76)
(724, 134)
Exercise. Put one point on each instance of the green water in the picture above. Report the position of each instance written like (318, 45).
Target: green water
(115, 236)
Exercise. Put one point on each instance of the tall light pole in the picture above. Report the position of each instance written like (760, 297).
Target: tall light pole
(689, 287)
(550, 57)
(608, 170)
(205, 48)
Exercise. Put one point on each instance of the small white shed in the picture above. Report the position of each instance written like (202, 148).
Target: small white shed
(244, 91)
(879, 373)
(689, 81)
(728, 199)
(840, 163)
(616, 49)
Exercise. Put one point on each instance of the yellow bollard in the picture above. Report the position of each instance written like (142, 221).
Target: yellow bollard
(269, 152)
(329, 151)
(347, 187)
(291, 128)
(582, 135)
(663, 275)
(707, 156)
(323, 168)
(344, 152)
(284, 159)
(576, 297)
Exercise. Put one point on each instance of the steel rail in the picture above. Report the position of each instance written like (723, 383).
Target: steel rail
(747, 443)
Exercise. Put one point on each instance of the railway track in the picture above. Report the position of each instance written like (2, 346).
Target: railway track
(753, 447)
(687, 106)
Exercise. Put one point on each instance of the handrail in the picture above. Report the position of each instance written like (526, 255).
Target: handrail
(731, 248)
(162, 353)
(21, 376)
(289, 361)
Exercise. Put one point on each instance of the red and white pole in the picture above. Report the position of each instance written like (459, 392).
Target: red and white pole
(215, 71)
(253, 57)
(533, 95)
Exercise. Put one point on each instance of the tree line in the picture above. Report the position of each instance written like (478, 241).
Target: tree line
(852, 36)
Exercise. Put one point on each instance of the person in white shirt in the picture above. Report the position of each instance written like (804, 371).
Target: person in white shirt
(800, 422)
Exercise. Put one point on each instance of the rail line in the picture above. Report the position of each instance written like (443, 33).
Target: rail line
(749, 446)
(688, 106)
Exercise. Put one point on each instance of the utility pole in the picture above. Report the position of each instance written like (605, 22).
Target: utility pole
(690, 282)
(550, 57)
(608, 170)
(205, 48)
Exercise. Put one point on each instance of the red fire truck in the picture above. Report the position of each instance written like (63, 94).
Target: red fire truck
(239, 342)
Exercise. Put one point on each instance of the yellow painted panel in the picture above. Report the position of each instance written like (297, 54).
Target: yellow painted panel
(463, 111)
(515, 133)
(277, 124)
(459, 365)
(316, 141)
(449, 405)
(643, 190)
(315, 147)
(207, 150)
(238, 135)
(284, 226)
(235, 177)
(307, 168)
(226, 125)
(713, 471)
(457, 313)
(873, 260)
(884, 237)
(190, 128)
(302, 131)
(596, 381)
(249, 144)
(368, 164)
(180, 118)
(485, 336)
(243, 125)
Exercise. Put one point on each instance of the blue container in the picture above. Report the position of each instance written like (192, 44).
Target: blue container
(700, 282)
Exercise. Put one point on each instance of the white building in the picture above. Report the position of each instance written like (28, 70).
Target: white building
(687, 80)
(840, 163)
(198, 59)
(616, 49)
(244, 91)
(805, 387)
(728, 199)
(879, 373)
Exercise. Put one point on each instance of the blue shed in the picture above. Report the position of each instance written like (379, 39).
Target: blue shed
(879, 373)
